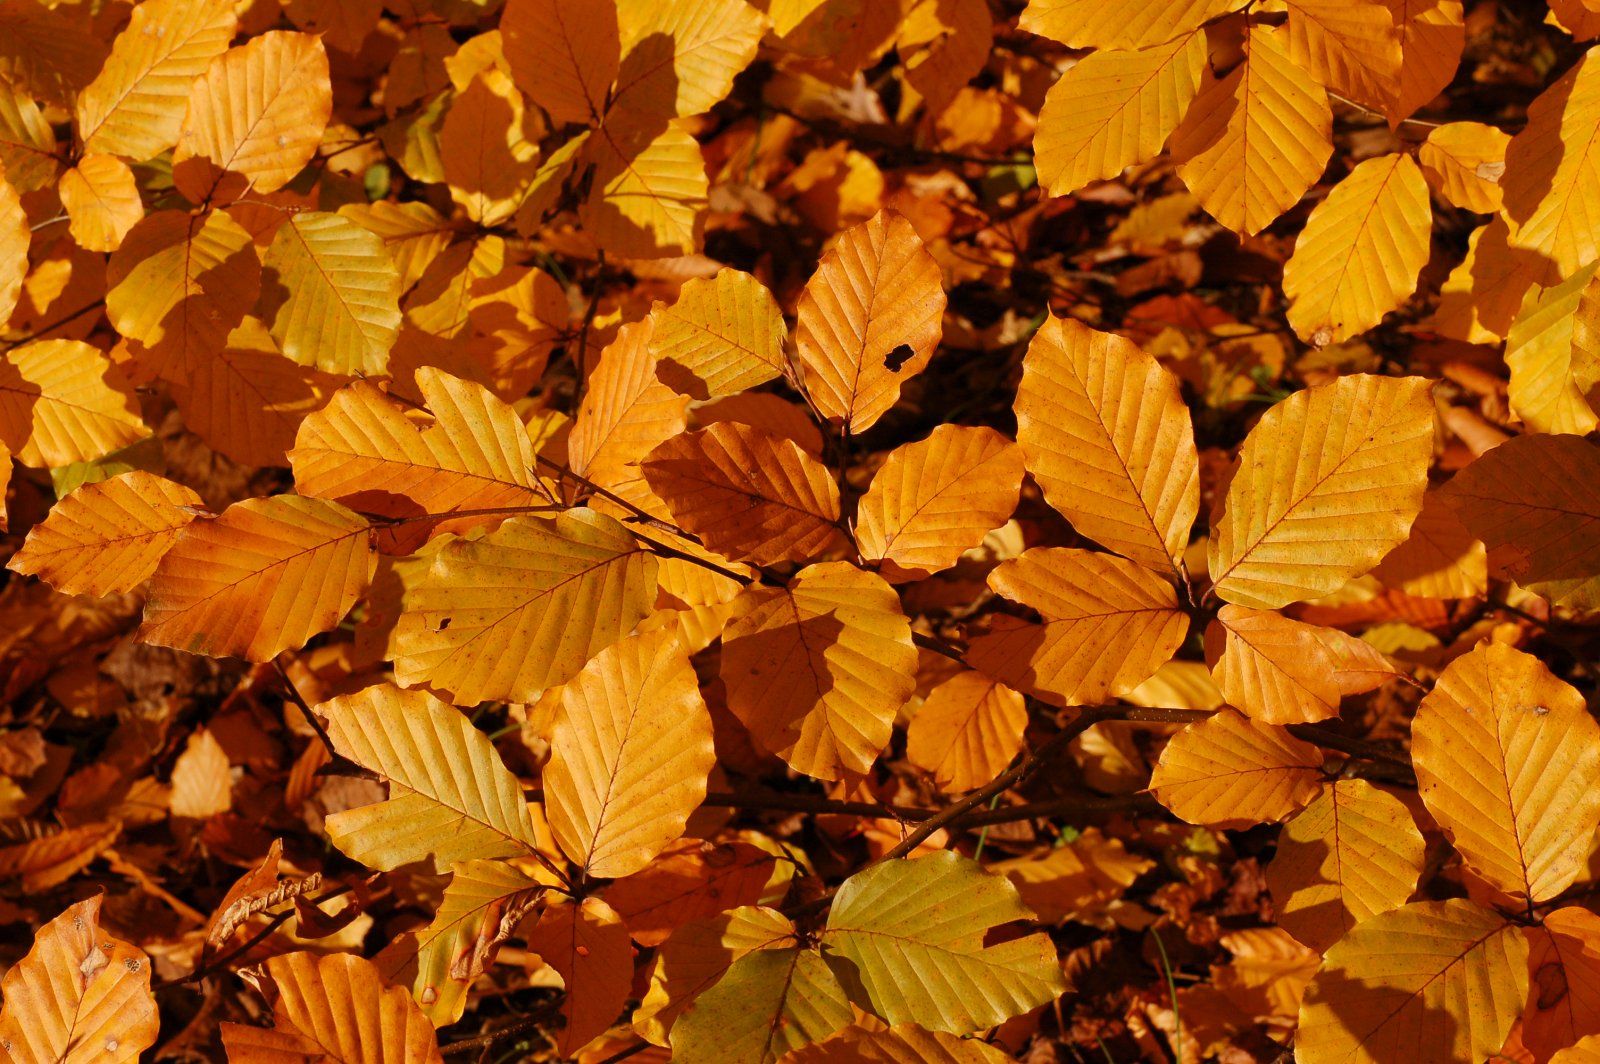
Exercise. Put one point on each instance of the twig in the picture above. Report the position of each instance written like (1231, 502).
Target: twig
(534, 1021)
(305, 710)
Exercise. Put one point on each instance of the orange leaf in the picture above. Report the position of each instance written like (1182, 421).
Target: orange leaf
(1229, 771)
(587, 944)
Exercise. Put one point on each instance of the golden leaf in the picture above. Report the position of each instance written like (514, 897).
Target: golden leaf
(1229, 771)
(332, 293)
(1361, 251)
(1113, 109)
(1563, 982)
(1351, 46)
(1137, 24)
(102, 202)
(1271, 668)
(649, 190)
(1432, 36)
(451, 798)
(935, 499)
(1553, 351)
(1351, 854)
(1463, 162)
(817, 670)
(868, 320)
(107, 538)
(62, 401)
(1104, 431)
(1108, 625)
(626, 412)
(1389, 982)
(1553, 173)
(679, 57)
(178, 284)
(1360, 448)
(721, 336)
(967, 731)
(747, 494)
(257, 112)
(79, 994)
(1508, 763)
(1254, 141)
(265, 576)
(1529, 501)
(1439, 559)
(697, 955)
(629, 755)
(134, 107)
(317, 997)
(523, 607)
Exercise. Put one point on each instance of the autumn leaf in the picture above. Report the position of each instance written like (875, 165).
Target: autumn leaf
(1506, 757)
(78, 988)
(630, 754)
(1231, 771)
(1275, 541)
(1383, 984)
(875, 291)
(587, 944)
(721, 336)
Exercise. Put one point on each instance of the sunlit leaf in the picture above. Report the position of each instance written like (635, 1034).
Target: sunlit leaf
(1508, 763)
(1138, 24)
(333, 294)
(61, 401)
(1231, 771)
(721, 336)
(1361, 448)
(102, 200)
(967, 731)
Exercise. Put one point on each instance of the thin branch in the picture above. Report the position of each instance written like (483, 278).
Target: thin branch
(533, 1022)
(305, 710)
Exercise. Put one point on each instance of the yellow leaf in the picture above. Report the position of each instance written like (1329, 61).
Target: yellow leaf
(27, 143)
(15, 236)
(904, 1043)
(1113, 109)
(626, 412)
(202, 784)
(1529, 501)
(1443, 979)
(629, 756)
(933, 500)
(134, 107)
(451, 798)
(107, 538)
(1108, 625)
(1553, 174)
(1229, 771)
(413, 233)
(364, 450)
(1553, 351)
(907, 939)
(316, 999)
(523, 607)
(768, 1003)
(1351, 46)
(258, 112)
(967, 731)
(693, 879)
(1432, 36)
(1440, 558)
(489, 147)
(50, 53)
(868, 320)
(79, 994)
(62, 401)
(648, 198)
(1585, 1051)
(748, 494)
(248, 402)
(1351, 854)
(479, 893)
(1360, 449)
(1254, 141)
(1564, 983)
(178, 284)
(1463, 162)
(943, 44)
(1481, 297)
(818, 670)
(1106, 435)
(697, 955)
(101, 201)
(563, 54)
(332, 293)
(721, 336)
(265, 576)
(1508, 763)
(587, 944)
(679, 57)
(1361, 251)
(1136, 24)
(1271, 668)
(1075, 880)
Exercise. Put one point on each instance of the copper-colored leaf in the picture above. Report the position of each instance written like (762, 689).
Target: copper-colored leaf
(1231, 771)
